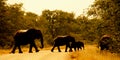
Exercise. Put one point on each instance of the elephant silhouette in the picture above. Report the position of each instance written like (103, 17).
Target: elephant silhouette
(63, 40)
(105, 42)
(78, 45)
(24, 37)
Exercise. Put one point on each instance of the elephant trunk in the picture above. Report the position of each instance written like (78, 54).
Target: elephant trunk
(42, 45)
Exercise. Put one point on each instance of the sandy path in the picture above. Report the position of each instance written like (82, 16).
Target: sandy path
(91, 52)
(42, 55)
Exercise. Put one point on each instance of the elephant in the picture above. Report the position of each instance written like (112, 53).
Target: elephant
(78, 45)
(105, 42)
(24, 37)
(63, 40)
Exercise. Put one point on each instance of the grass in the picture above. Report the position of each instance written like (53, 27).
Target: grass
(91, 52)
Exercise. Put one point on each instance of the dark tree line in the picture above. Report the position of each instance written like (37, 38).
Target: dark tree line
(108, 11)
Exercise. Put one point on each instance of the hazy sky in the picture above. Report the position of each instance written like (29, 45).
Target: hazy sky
(37, 6)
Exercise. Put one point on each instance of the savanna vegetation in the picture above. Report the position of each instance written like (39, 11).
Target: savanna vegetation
(103, 17)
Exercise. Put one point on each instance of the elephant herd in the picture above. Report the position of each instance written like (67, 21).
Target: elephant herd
(24, 37)
(69, 41)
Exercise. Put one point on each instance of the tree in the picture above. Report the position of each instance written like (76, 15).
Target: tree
(109, 12)
(10, 21)
(58, 21)
(30, 20)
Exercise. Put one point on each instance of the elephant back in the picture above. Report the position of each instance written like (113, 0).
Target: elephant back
(106, 40)
(70, 38)
(77, 44)
(20, 34)
(62, 40)
(20, 37)
(34, 33)
(65, 38)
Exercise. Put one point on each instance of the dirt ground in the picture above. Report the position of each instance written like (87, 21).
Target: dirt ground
(91, 52)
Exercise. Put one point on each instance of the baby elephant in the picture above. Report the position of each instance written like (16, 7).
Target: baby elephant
(78, 45)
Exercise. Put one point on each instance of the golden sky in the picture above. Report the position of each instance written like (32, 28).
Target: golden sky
(37, 6)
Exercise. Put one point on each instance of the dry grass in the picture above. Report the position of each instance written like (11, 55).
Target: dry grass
(91, 52)
(4, 51)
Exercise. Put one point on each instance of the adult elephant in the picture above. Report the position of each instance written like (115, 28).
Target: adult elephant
(63, 40)
(23, 37)
(105, 42)
(78, 45)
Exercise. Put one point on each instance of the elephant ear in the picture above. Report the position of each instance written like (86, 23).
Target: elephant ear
(31, 33)
(38, 34)
(34, 33)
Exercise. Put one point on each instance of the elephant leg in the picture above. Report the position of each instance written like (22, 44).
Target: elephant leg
(67, 48)
(20, 51)
(53, 48)
(70, 49)
(30, 49)
(14, 48)
(81, 48)
(59, 48)
(75, 48)
(34, 45)
(107, 48)
(78, 48)
(67, 45)
(102, 48)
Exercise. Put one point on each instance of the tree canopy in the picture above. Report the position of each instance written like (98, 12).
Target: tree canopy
(109, 12)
